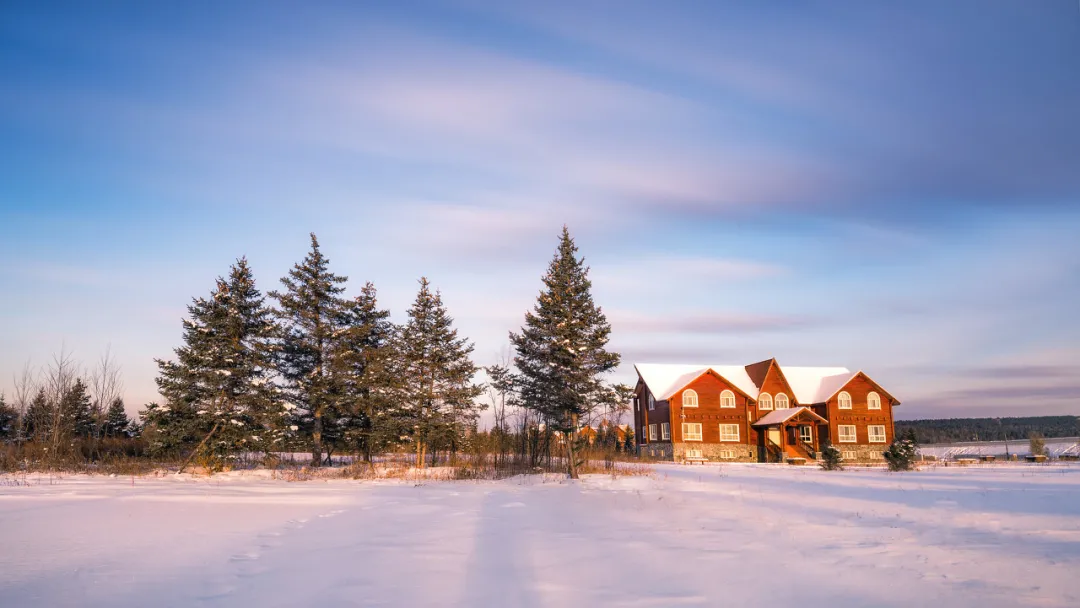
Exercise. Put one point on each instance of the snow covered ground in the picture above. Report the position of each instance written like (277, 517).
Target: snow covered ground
(1055, 448)
(732, 535)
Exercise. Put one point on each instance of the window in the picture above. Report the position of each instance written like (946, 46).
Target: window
(873, 401)
(847, 455)
(806, 434)
(781, 401)
(728, 454)
(877, 433)
(665, 431)
(727, 399)
(692, 453)
(652, 432)
(845, 401)
(689, 398)
(846, 433)
(691, 431)
(652, 402)
(765, 401)
(729, 432)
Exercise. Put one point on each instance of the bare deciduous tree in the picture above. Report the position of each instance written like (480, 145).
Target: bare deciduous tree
(106, 386)
(58, 379)
(26, 386)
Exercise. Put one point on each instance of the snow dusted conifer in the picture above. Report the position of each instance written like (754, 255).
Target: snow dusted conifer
(311, 310)
(116, 420)
(37, 422)
(219, 385)
(77, 412)
(9, 420)
(438, 397)
(561, 350)
(364, 366)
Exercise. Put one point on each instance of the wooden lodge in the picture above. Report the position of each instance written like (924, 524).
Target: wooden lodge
(759, 412)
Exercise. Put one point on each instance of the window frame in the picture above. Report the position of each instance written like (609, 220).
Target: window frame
(689, 393)
(840, 400)
(854, 433)
(665, 431)
(781, 397)
(652, 402)
(728, 393)
(737, 435)
(810, 432)
(873, 401)
(652, 432)
(870, 435)
(688, 436)
(763, 399)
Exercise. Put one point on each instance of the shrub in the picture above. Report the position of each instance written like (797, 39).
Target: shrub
(1036, 443)
(903, 452)
(831, 458)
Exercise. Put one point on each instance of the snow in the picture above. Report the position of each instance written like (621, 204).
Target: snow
(1055, 448)
(810, 384)
(666, 379)
(706, 535)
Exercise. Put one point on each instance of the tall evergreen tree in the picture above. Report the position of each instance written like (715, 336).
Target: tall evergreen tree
(77, 412)
(116, 420)
(364, 365)
(310, 310)
(9, 420)
(219, 384)
(438, 395)
(561, 350)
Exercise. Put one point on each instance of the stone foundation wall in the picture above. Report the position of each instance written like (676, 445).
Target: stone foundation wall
(718, 452)
(853, 452)
(658, 451)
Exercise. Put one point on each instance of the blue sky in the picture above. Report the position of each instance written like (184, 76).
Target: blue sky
(892, 187)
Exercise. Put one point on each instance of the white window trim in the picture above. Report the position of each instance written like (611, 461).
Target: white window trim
(652, 432)
(854, 437)
(870, 433)
(730, 394)
(687, 435)
(692, 453)
(665, 431)
(729, 439)
(806, 427)
(873, 401)
(781, 397)
(765, 401)
(840, 400)
(689, 398)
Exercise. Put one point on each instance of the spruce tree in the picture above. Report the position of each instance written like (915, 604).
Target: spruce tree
(9, 420)
(219, 385)
(311, 310)
(37, 422)
(116, 420)
(561, 350)
(364, 367)
(438, 395)
(77, 412)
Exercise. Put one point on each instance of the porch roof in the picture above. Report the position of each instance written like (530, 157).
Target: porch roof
(776, 417)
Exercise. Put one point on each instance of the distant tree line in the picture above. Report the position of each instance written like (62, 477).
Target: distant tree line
(951, 430)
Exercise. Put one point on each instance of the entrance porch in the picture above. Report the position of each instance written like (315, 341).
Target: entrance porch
(789, 433)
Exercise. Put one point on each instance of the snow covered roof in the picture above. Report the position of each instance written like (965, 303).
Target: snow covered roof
(816, 384)
(810, 384)
(778, 416)
(666, 379)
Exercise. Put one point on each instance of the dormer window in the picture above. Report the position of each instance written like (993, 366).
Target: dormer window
(689, 398)
(844, 400)
(765, 401)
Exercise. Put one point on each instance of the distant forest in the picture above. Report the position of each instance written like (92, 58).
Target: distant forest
(989, 429)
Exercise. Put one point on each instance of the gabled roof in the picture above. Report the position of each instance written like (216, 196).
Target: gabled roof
(780, 416)
(666, 379)
(816, 384)
(758, 371)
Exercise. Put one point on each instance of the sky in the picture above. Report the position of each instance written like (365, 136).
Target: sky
(891, 187)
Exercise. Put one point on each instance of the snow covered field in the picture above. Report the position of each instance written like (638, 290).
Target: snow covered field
(736, 535)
